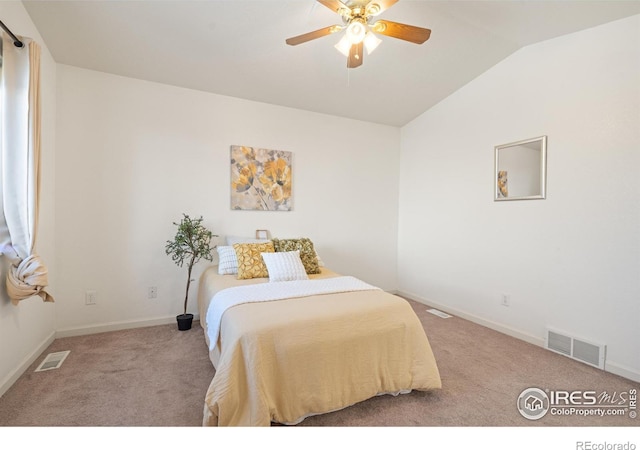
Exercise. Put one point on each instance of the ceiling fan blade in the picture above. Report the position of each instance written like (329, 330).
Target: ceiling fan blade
(313, 35)
(375, 7)
(355, 56)
(334, 5)
(402, 31)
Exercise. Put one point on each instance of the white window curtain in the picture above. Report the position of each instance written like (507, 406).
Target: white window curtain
(20, 169)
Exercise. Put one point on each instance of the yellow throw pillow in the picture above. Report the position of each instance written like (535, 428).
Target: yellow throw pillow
(250, 262)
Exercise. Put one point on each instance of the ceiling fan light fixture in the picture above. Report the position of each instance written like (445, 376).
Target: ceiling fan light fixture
(356, 32)
(371, 42)
(344, 46)
(344, 12)
(373, 9)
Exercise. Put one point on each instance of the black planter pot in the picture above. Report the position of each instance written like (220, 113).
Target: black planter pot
(184, 321)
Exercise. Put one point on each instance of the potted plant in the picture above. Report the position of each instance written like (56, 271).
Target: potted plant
(191, 243)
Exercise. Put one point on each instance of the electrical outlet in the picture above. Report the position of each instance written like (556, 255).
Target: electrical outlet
(152, 292)
(506, 300)
(90, 298)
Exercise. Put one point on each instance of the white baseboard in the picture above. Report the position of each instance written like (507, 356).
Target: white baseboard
(10, 379)
(477, 319)
(610, 366)
(623, 371)
(116, 326)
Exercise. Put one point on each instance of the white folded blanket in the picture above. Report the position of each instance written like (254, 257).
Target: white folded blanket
(263, 292)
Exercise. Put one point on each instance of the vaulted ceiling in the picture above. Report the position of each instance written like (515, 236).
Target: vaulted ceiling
(237, 47)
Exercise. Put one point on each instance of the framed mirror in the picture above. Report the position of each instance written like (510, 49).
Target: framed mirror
(521, 170)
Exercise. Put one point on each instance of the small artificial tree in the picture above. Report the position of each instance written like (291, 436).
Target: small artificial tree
(191, 243)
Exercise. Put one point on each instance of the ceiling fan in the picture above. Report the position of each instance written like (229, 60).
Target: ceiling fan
(358, 17)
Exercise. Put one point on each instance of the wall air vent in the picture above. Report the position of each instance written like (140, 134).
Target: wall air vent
(575, 348)
(53, 361)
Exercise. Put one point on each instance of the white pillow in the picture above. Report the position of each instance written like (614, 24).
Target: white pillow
(227, 260)
(285, 266)
(244, 240)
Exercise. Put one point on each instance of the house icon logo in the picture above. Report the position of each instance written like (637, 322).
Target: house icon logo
(533, 403)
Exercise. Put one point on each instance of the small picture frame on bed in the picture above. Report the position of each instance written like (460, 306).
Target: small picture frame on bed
(262, 234)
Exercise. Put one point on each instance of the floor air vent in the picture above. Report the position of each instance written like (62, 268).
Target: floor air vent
(578, 349)
(438, 313)
(53, 361)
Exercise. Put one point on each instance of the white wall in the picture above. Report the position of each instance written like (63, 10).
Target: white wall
(571, 261)
(26, 329)
(133, 156)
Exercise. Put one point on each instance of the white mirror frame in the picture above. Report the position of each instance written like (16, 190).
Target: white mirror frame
(541, 141)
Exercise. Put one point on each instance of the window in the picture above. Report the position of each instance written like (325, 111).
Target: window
(4, 232)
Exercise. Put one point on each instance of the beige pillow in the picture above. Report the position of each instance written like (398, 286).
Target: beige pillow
(250, 262)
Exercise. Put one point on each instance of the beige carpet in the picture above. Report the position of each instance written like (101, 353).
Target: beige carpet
(158, 376)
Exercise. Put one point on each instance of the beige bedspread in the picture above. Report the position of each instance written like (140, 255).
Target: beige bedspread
(281, 361)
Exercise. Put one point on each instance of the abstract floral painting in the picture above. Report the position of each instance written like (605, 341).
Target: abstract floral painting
(260, 179)
(503, 190)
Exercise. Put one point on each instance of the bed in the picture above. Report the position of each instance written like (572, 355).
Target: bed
(304, 352)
